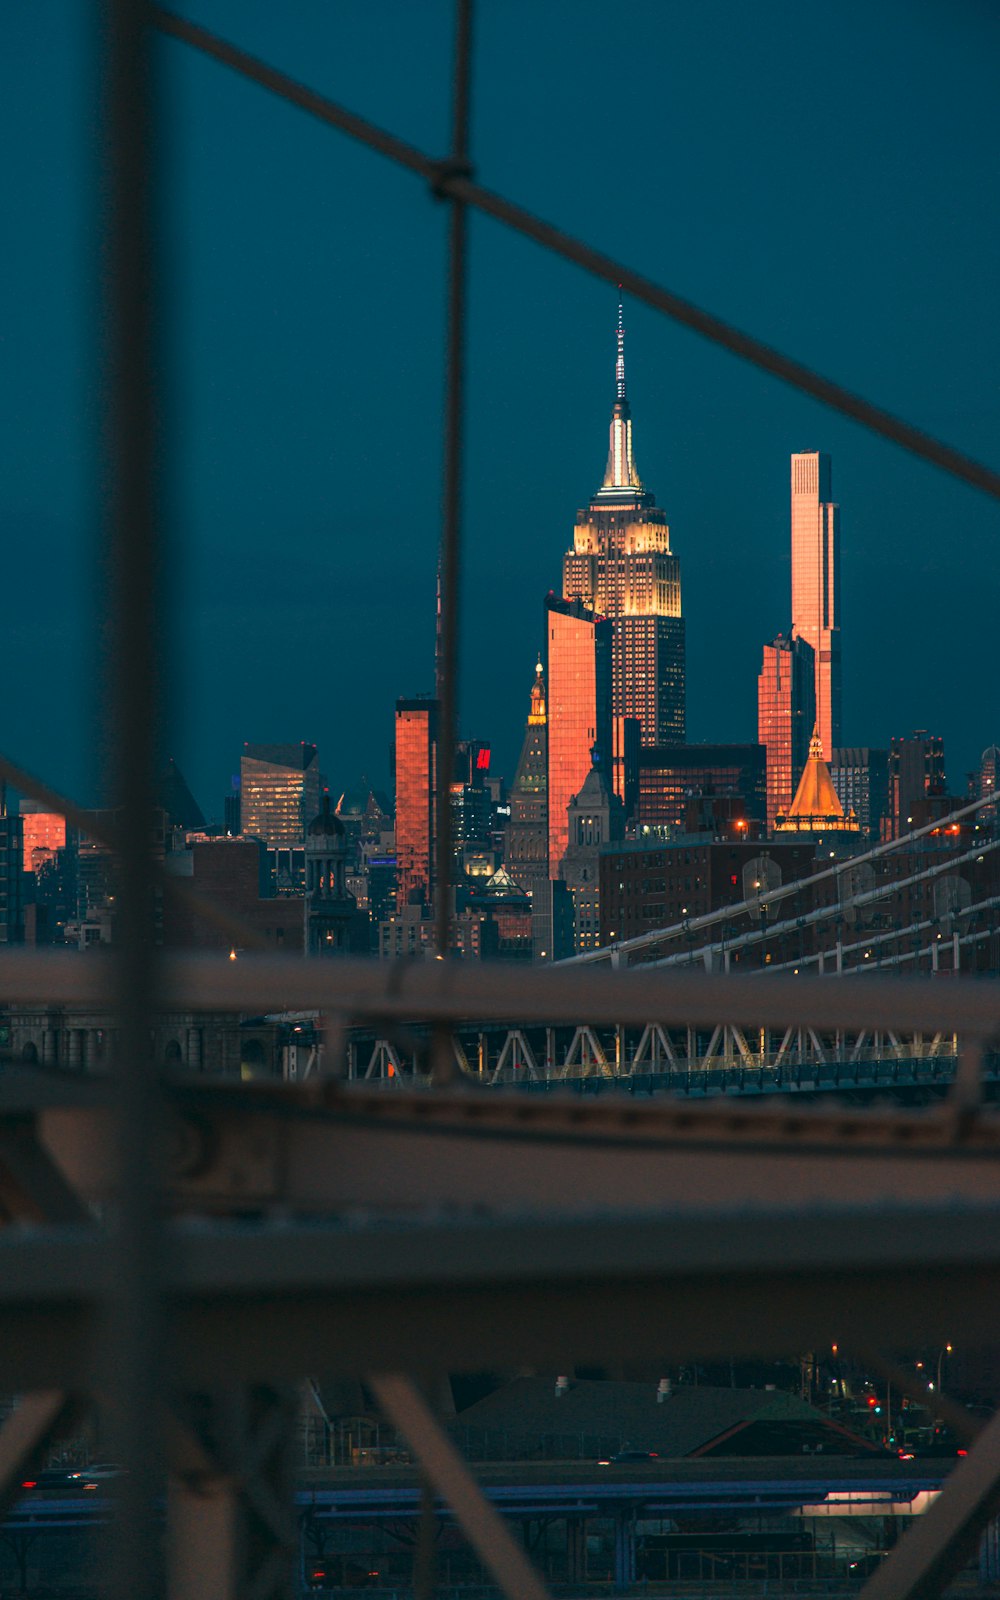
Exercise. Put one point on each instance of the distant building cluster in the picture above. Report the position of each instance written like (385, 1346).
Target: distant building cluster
(613, 826)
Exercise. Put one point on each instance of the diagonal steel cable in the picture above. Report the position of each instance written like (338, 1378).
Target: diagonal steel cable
(447, 181)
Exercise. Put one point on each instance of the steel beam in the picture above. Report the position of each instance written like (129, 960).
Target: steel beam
(253, 1301)
(33, 1188)
(327, 1147)
(937, 1545)
(482, 1525)
(455, 991)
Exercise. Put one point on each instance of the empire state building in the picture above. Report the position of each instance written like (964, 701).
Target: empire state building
(621, 566)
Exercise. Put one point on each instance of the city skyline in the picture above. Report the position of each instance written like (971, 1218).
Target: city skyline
(307, 460)
(497, 1188)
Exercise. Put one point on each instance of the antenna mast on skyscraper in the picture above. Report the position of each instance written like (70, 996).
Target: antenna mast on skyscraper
(620, 363)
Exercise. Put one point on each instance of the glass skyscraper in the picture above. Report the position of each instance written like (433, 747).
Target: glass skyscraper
(816, 584)
(578, 674)
(786, 716)
(416, 783)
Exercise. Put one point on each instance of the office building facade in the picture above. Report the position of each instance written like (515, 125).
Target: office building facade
(621, 566)
(816, 584)
(578, 674)
(416, 788)
(671, 776)
(786, 715)
(43, 836)
(280, 793)
(916, 774)
(860, 776)
(651, 884)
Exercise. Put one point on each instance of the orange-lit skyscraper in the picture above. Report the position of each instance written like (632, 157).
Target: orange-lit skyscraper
(621, 566)
(416, 778)
(816, 584)
(786, 715)
(578, 647)
(44, 836)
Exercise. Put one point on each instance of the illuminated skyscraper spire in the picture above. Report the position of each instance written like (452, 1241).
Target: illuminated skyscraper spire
(620, 474)
(620, 363)
(621, 566)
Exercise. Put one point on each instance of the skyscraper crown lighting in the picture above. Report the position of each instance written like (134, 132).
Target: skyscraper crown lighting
(621, 566)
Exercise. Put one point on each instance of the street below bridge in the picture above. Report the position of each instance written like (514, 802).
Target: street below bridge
(800, 1525)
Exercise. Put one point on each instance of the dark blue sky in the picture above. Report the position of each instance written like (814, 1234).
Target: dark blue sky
(823, 175)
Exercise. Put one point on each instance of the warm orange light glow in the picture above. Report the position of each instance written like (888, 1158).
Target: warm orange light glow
(44, 834)
(816, 584)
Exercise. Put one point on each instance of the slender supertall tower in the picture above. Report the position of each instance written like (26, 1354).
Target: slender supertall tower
(816, 584)
(621, 567)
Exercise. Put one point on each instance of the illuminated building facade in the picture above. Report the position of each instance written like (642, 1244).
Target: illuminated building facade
(527, 841)
(44, 833)
(671, 776)
(786, 714)
(861, 778)
(471, 799)
(416, 783)
(816, 584)
(578, 673)
(279, 785)
(621, 566)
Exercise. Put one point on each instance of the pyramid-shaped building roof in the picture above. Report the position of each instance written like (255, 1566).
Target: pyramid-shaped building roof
(816, 807)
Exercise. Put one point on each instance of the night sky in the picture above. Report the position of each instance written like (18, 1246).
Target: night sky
(824, 175)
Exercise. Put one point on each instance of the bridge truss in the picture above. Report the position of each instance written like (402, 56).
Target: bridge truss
(184, 1253)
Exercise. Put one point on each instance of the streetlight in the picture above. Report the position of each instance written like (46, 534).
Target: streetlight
(945, 1352)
